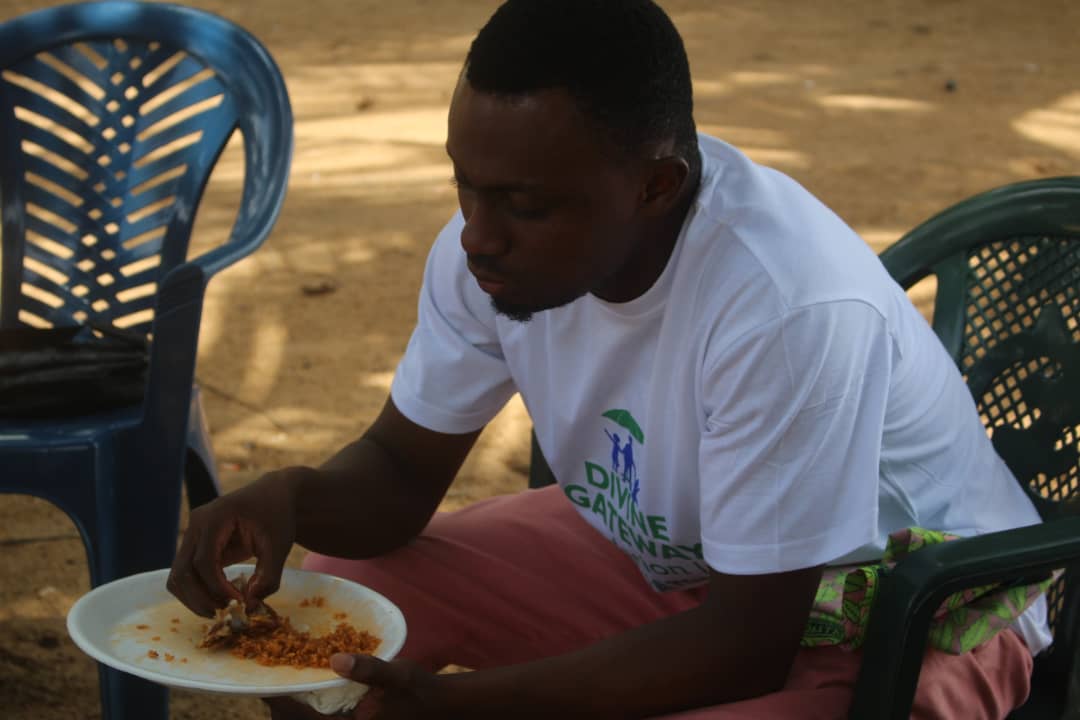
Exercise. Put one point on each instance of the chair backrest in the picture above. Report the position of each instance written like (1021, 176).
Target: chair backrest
(1007, 308)
(112, 115)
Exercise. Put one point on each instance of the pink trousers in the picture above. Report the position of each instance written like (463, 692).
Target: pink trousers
(520, 577)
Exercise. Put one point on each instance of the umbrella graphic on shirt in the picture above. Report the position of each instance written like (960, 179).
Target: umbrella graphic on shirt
(624, 452)
(626, 420)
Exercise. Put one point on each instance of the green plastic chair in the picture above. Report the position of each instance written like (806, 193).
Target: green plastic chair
(1007, 308)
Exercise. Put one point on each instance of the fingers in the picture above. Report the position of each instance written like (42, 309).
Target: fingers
(208, 564)
(197, 578)
(399, 689)
(343, 664)
(372, 671)
(284, 708)
(181, 584)
(271, 557)
(191, 590)
(184, 582)
(250, 521)
(370, 705)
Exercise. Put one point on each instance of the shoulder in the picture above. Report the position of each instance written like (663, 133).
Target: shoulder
(763, 245)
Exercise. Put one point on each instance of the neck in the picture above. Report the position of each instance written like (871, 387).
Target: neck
(653, 250)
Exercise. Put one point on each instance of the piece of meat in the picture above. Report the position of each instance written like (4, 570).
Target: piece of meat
(234, 619)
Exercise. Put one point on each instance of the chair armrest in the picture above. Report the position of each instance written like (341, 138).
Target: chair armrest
(267, 133)
(913, 590)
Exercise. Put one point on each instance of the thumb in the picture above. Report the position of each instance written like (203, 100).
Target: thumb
(370, 671)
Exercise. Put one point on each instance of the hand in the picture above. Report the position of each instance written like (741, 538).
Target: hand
(257, 520)
(400, 689)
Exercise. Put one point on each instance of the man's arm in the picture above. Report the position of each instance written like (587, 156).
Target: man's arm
(379, 492)
(738, 644)
(373, 496)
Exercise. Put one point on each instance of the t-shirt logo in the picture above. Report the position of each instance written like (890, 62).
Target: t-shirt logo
(622, 450)
(608, 496)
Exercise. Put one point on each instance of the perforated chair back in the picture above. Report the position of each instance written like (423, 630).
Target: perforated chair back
(111, 118)
(1007, 308)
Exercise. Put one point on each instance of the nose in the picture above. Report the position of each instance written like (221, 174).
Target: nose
(482, 234)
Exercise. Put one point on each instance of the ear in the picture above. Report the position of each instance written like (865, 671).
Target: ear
(662, 189)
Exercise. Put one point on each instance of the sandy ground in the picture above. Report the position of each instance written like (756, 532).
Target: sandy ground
(888, 111)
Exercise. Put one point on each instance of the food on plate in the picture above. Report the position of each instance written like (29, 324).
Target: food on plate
(234, 618)
(285, 645)
(270, 639)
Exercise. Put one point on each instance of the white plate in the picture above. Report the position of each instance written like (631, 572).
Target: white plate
(105, 624)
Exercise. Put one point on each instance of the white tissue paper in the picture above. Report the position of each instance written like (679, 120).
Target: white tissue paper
(335, 700)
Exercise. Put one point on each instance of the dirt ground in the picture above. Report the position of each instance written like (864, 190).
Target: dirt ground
(889, 111)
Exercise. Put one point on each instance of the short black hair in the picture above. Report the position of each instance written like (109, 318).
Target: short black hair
(622, 61)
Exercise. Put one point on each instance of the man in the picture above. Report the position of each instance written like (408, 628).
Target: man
(786, 405)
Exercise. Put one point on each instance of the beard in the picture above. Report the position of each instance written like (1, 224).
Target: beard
(514, 311)
(522, 313)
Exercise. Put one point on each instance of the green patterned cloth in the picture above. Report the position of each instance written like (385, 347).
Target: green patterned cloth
(965, 620)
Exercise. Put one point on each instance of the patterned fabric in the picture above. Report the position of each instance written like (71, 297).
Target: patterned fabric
(966, 619)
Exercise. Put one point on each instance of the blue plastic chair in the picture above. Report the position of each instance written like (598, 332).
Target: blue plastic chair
(112, 115)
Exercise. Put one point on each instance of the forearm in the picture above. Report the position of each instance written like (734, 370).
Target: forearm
(693, 659)
(361, 503)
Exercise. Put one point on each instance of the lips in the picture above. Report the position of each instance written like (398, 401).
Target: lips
(488, 282)
(491, 288)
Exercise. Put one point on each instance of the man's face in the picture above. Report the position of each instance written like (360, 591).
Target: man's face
(548, 216)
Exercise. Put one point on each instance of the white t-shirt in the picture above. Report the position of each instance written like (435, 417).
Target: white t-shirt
(773, 402)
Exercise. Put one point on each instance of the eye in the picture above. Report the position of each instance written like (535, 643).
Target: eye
(528, 208)
(530, 213)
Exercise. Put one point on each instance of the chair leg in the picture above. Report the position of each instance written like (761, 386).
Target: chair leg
(126, 697)
(151, 514)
